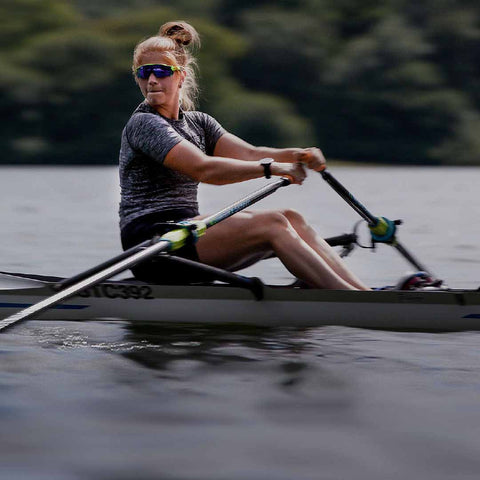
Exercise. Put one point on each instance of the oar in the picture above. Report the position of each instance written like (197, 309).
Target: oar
(382, 229)
(168, 242)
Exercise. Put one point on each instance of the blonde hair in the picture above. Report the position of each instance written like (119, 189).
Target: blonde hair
(176, 41)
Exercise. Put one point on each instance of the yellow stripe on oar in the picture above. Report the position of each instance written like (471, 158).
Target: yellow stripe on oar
(178, 238)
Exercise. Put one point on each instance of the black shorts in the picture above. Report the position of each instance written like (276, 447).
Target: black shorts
(157, 269)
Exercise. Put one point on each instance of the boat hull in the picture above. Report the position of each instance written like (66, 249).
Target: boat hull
(133, 301)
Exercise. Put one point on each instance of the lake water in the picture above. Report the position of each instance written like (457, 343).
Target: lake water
(115, 401)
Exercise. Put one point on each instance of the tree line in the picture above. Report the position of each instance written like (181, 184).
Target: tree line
(388, 81)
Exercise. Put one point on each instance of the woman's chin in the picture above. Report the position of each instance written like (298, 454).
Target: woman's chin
(156, 99)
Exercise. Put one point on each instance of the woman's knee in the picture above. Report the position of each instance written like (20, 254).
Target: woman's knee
(270, 226)
(272, 219)
(293, 216)
(258, 227)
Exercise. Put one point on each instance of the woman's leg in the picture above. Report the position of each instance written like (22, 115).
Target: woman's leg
(312, 238)
(249, 236)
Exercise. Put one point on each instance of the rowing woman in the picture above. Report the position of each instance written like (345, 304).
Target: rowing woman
(168, 148)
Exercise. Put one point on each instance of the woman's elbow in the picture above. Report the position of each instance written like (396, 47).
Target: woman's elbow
(209, 174)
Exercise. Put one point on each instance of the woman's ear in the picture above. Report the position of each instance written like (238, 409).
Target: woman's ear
(182, 79)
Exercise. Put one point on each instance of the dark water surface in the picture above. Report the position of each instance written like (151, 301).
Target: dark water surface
(114, 400)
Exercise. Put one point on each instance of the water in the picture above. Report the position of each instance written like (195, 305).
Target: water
(112, 400)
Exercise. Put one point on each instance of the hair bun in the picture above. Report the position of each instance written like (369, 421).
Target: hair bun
(181, 32)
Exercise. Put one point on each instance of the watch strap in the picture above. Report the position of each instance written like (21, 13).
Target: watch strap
(266, 164)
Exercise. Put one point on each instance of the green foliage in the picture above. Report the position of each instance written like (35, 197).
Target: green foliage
(22, 19)
(255, 116)
(376, 80)
(369, 78)
(124, 8)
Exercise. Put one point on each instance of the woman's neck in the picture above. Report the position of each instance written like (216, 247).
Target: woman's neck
(172, 114)
(169, 110)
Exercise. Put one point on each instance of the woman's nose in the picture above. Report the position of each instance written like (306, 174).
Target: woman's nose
(152, 78)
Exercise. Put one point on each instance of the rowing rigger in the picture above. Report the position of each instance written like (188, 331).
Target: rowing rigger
(382, 230)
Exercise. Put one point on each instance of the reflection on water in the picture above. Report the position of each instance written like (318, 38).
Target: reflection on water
(219, 346)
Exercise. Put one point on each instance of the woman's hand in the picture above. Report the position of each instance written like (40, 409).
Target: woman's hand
(294, 171)
(313, 158)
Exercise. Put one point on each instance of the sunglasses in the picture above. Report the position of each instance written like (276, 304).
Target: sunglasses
(158, 69)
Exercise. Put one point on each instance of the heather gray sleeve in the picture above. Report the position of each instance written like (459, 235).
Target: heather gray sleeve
(151, 135)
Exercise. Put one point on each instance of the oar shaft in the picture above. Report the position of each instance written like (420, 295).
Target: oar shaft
(138, 254)
(372, 220)
(212, 220)
(111, 271)
(209, 221)
(92, 271)
(349, 198)
(409, 257)
(246, 202)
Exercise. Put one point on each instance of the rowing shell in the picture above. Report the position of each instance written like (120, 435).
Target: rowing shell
(134, 301)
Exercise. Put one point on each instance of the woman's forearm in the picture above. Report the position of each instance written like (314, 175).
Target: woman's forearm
(231, 146)
(311, 157)
(282, 155)
(223, 171)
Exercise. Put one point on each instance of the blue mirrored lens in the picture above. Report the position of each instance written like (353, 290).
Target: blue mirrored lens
(160, 71)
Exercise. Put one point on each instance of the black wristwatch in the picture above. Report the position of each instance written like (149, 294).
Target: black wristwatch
(266, 164)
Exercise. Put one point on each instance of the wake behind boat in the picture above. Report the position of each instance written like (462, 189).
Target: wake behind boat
(220, 304)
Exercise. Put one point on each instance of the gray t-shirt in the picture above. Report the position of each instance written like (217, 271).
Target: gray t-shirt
(147, 186)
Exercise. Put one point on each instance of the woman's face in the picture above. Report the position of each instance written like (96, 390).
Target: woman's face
(161, 93)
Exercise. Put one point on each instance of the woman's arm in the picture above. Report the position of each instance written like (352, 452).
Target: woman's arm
(231, 146)
(190, 160)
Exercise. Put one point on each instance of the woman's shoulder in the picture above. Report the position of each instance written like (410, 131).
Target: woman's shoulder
(144, 113)
(144, 110)
(144, 107)
(195, 114)
(199, 117)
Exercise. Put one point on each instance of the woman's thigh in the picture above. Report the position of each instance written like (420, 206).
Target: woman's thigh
(239, 241)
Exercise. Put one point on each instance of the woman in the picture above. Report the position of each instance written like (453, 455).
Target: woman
(168, 148)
